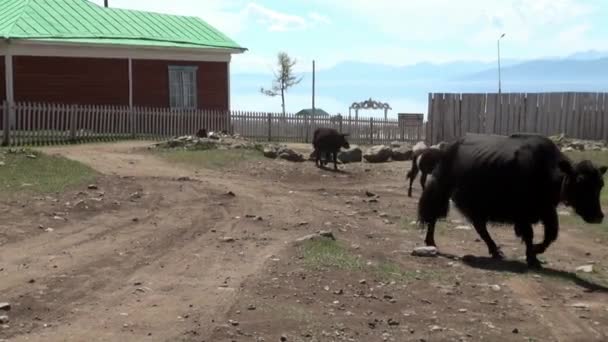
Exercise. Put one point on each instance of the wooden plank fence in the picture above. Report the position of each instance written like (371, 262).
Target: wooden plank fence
(578, 115)
(40, 123)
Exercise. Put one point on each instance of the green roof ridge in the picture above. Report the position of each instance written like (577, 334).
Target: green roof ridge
(71, 20)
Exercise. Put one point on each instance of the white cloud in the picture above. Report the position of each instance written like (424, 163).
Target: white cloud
(473, 25)
(319, 18)
(276, 21)
(229, 16)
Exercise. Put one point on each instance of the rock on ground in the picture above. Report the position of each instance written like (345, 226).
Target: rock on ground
(271, 152)
(585, 269)
(426, 251)
(377, 154)
(402, 153)
(440, 145)
(568, 144)
(351, 155)
(323, 234)
(212, 141)
(290, 155)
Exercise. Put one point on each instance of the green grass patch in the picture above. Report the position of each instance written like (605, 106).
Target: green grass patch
(390, 271)
(212, 159)
(32, 171)
(324, 253)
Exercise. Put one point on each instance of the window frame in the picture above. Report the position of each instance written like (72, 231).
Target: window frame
(181, 90)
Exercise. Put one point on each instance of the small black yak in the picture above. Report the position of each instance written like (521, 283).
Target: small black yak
(328, 141)
(202, 133)
(519, 180)
(424, 162)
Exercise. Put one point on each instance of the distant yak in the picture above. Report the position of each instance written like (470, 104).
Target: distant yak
(328, 141)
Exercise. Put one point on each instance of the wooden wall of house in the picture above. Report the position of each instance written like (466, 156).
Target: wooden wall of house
(151, 83)
(99, 81)
(2, 80)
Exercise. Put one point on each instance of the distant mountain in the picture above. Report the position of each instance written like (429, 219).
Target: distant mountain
(409, 85)
(589, 55)
(565, 71)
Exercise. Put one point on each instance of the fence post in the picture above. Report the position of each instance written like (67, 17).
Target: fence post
(307, 125)
(132, 121)
(5, 123)
(72, 113)
(340, 122)
(269, 126)
(371, 131)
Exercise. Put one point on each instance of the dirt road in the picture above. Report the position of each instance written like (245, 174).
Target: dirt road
(163, 252)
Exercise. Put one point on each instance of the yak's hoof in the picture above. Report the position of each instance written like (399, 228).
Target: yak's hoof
(430, 243)
(538, 249)
(534, 263)
(498, 255)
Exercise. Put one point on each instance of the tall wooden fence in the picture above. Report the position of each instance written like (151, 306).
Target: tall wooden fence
(36, 123)
(578, 115)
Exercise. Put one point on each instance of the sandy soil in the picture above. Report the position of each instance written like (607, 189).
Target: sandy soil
(163, 252)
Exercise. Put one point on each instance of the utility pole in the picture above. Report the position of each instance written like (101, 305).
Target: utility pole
(499, 80)
(313, 87)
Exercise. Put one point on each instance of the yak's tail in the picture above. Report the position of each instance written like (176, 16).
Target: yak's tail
(434, 202)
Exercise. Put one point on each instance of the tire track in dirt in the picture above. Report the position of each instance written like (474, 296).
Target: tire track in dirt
(105, 259)
(563, 325)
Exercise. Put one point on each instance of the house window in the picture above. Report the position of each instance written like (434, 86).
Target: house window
(182, 86)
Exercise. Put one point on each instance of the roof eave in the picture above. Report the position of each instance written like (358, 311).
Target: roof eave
(60, 42)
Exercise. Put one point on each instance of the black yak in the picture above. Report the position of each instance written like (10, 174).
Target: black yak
(328, 141)
(519, 180)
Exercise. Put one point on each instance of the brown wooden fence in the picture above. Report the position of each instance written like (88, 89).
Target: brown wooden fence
(35, 123)
(578, 115)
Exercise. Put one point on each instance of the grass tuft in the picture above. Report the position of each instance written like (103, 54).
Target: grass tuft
(323, 253)
(32, 171)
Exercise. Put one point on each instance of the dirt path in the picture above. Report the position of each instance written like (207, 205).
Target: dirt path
(155, 256)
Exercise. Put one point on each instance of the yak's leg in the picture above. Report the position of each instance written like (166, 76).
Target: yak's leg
(317, 158)
(434, 204)
(526, 233)
(409, 190)
(493, 249)
(429, 240)
(327, 157)
(335, 155)
(551, 225)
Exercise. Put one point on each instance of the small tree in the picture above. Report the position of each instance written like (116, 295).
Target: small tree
(284, 78)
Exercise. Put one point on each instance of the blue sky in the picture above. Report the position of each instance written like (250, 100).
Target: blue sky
(393, 32)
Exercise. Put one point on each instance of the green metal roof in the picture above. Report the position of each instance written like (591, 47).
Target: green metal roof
(81, 21)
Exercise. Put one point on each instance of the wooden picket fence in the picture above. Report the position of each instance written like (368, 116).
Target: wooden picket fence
(577, 115)
(38, 123)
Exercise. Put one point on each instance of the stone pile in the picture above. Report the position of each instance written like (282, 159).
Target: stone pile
(214, 140)
(568, 144)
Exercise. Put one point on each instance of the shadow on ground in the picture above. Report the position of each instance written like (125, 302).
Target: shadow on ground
(514, 266)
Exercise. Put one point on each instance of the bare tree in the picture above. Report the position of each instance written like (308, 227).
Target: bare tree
(284, 78)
